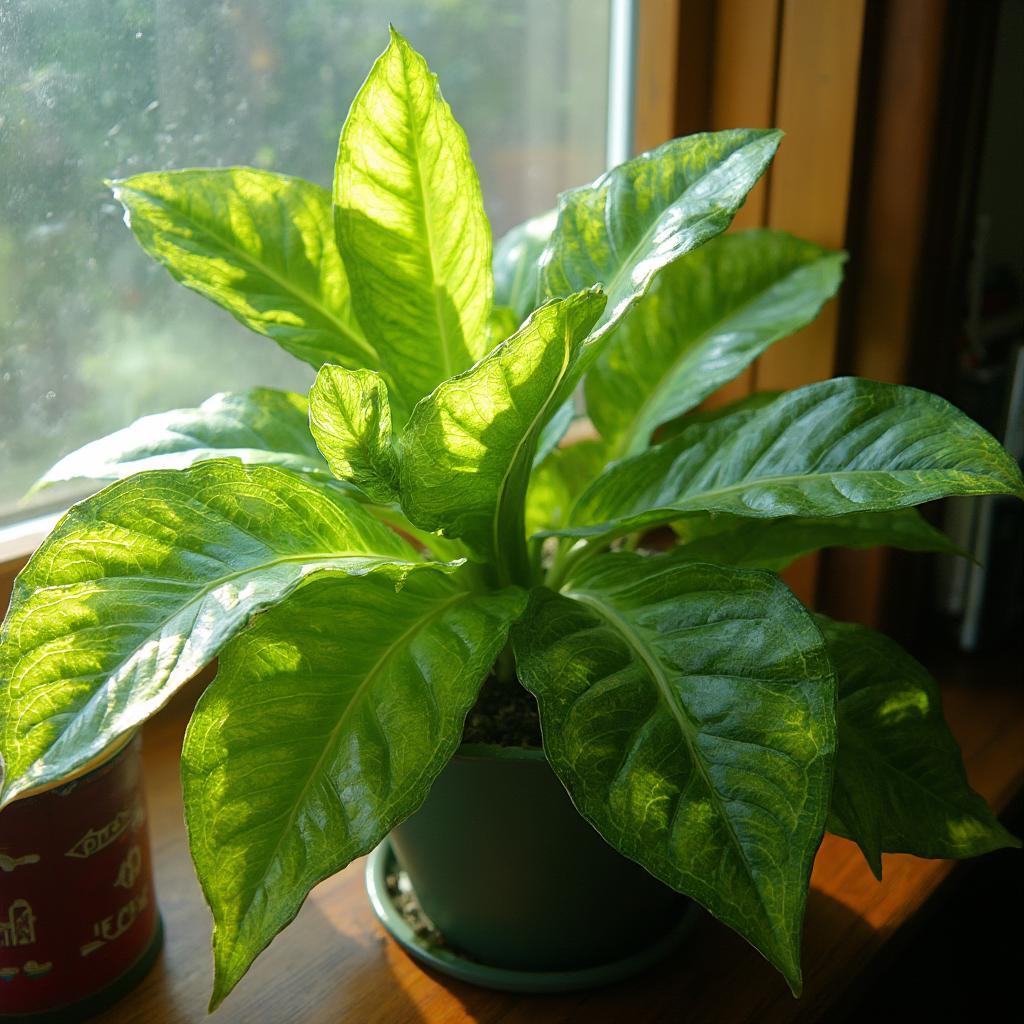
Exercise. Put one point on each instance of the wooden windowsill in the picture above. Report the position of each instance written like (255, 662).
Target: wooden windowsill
(335, 963)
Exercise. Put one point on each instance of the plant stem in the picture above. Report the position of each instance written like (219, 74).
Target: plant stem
(505, 666)
(569, 558)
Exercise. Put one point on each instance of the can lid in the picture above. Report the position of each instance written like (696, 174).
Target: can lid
(105, 755)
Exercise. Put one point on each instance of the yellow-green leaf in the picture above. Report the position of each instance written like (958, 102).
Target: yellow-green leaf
(350, 418)
(326, 726)
(411, 227)
(259, 244)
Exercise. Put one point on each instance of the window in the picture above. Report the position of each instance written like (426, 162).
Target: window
(94, 334)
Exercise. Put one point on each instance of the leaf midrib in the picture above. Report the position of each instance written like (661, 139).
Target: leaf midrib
(196, 598)
(427, 218)
(685, 504)
(329, 742)
(498, 520)
(283, 282)
(650, 230)
(630, 447)
(687, 727)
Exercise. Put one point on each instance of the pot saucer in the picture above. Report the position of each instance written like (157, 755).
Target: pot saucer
(381, 862)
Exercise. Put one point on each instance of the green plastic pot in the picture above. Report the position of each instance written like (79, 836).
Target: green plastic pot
(511, 875)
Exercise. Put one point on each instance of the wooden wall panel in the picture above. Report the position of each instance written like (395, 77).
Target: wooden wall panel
(743, 79)
(657, 68)
(886, 250)
(817, 89)
(745, 46)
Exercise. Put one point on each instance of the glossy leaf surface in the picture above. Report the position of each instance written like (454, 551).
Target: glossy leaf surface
(690, 712)
(259, 244)
(706, 318)
(775, 543)
(138, 587)
(468, 449)
(326, 726)
(411, 226)
(900, 784)
(640, 216)
(350, 418)
(257, 426)
(517, 263)
(829, 449)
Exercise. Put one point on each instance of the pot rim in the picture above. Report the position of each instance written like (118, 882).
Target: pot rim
(382, 858)
(496, 752)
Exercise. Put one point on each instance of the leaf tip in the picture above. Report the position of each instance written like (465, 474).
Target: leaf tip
(395, 38)
(874, 863)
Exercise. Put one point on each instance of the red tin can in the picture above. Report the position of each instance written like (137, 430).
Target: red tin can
(78, 919)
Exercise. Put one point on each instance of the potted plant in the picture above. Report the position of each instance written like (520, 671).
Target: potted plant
(426, 550)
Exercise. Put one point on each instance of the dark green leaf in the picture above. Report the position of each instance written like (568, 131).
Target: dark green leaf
(690, 712)
(138, 587)
(706, 318)
(326, 726)
(411, 227)
(775, 543)
(829, 449)
(900, 784)
(517, 263)
(257, 426)
(640, 216)
(259, 244)
(756, 400)
(350, 418)
(468, 449)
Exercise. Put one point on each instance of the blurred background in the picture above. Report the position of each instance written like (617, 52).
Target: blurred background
(92, 333)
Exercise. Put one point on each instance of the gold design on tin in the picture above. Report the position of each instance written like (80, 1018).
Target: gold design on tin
(34, 969)
(115, 925)
(8, 863)
(130, 868)
(19, 927)
(97, 839)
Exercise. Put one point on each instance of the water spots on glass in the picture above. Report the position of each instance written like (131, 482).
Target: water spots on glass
(90, 92)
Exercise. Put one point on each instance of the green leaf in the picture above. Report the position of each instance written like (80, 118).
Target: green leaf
(706, 318)
(900, 784)
(350, 418)
(829, 449)
(517, 263)
(748, 403)
(501, 324)
(690, 712)
(138, 587)
(259, 244)
(468, 449)
(257, 426)
(775, 543)
(559, 480)
(411, 227)
(554, 430)
(640, 216)
(326, 726)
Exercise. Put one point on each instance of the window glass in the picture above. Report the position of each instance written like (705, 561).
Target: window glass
(94, 334)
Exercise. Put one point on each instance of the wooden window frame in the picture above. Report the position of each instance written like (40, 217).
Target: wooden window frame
(856, 86)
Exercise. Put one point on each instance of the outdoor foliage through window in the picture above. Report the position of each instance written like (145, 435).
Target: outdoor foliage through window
(92, 333)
